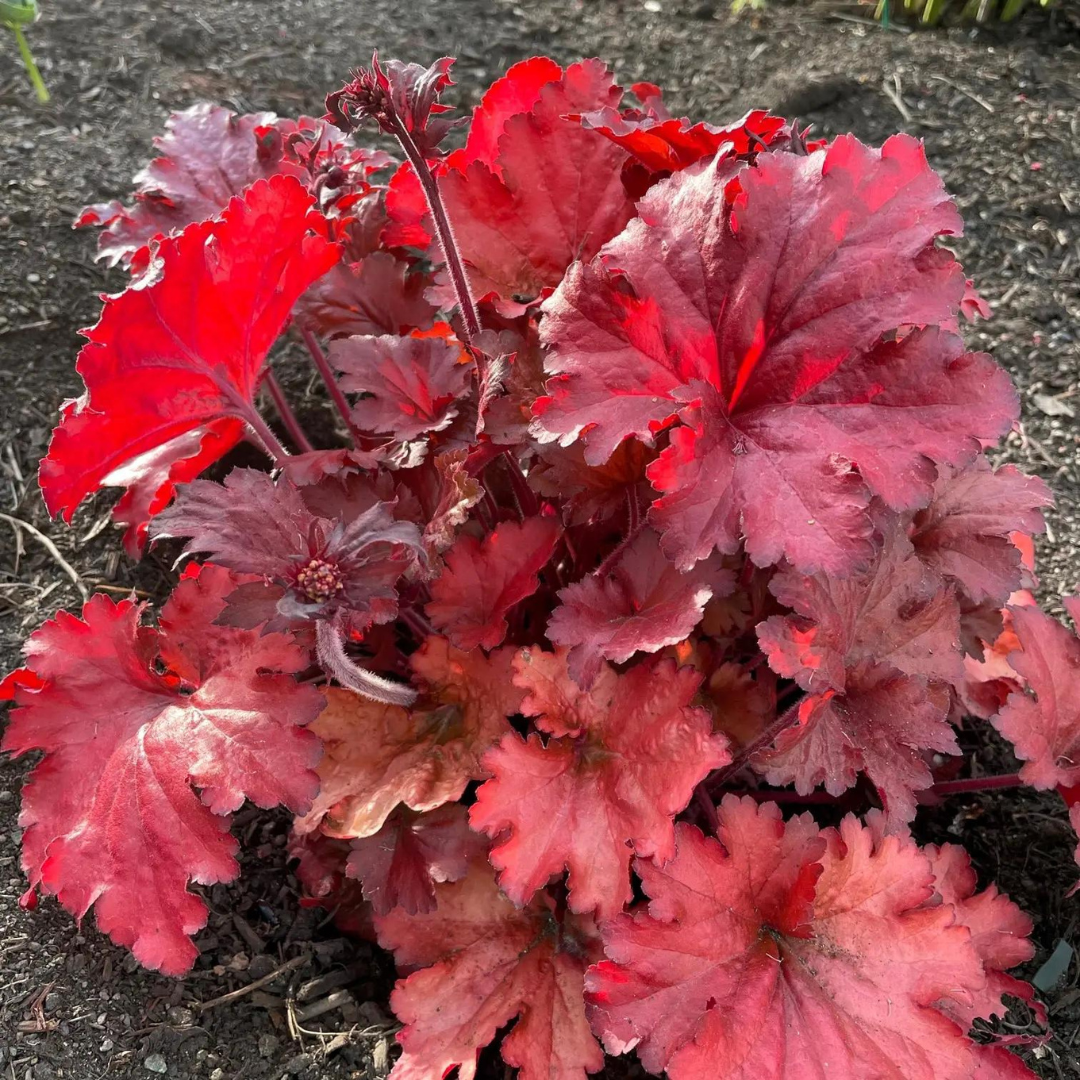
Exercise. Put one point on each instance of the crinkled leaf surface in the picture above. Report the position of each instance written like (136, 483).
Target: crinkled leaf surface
(485, 578)
(1043, 721)
(409, 385)
(400, 865)
(484, 963)
(964, 532)
(208, 155)
(379, 756)
(151, 738)
(184, 345)
(553, 193)
(642, 605)
(783, 953)
(875, 652)
(623, 760)
(754, 298)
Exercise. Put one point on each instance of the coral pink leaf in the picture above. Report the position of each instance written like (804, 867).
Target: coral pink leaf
(484, 963)
(641, 605)
(380, 756)
(964, 532)
(184, 345)
(133, 721)
(755, 299)
(401, 863)
(553, 194)
(484, 579)
(627, 759)
(782, 953)
(876, 652)
(999, 932)
(410, 385)
(1043, 721)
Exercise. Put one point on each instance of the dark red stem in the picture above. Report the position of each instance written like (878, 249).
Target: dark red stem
(322, 365)
(267, 439)
(525, 495)
(766, 737)
(976, 783)
(416, 622)
(286, 414)
(443, 231)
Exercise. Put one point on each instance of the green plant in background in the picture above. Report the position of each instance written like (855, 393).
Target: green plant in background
(932, 12)
(15, 14)
(738, 5)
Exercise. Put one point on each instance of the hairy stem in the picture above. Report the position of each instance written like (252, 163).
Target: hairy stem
(331, 654)
(416, 622)
(614, 556)
(322, 366)
(764, 738)
(443, 231)
(267, 439)
(286, 414)
(526, 497)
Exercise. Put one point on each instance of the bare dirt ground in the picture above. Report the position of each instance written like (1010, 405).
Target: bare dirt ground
(1001, 120)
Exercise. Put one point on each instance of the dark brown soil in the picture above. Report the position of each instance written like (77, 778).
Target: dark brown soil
(1001, 120)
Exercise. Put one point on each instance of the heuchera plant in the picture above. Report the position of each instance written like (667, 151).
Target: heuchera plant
(656, 486)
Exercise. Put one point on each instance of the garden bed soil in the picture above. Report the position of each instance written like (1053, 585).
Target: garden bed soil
(1000, 114)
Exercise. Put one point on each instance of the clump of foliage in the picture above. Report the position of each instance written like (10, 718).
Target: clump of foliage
(658, 487)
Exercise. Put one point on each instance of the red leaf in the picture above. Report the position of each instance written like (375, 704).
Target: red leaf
(184, 346)
(484, 579)
(516, 92)
(400, 864)
(783, 952)
(664, 144)
(552, 195)
(459, 492)
(643, 604)
(875, 652)
(209, 155)
(1043, 724)
(316, 567)
(999, 933)
(150, 480)
(379, 294)
(964, 532)
(623, 760)
(131, 719)
(755, 300)
(484, 963)
(410, 384)
(379, 756)
(593, 492)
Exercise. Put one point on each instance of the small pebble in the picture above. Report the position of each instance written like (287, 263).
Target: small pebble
(33, 279)
(155, 1063)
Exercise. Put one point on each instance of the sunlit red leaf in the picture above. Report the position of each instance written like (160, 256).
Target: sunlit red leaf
(151, 738)
(184, 346)
(784, 952)
(623, 760)
(641, 604)
(1043, 721)
(484, 579)
(485, 963)
(965, 531)
(751, 301)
